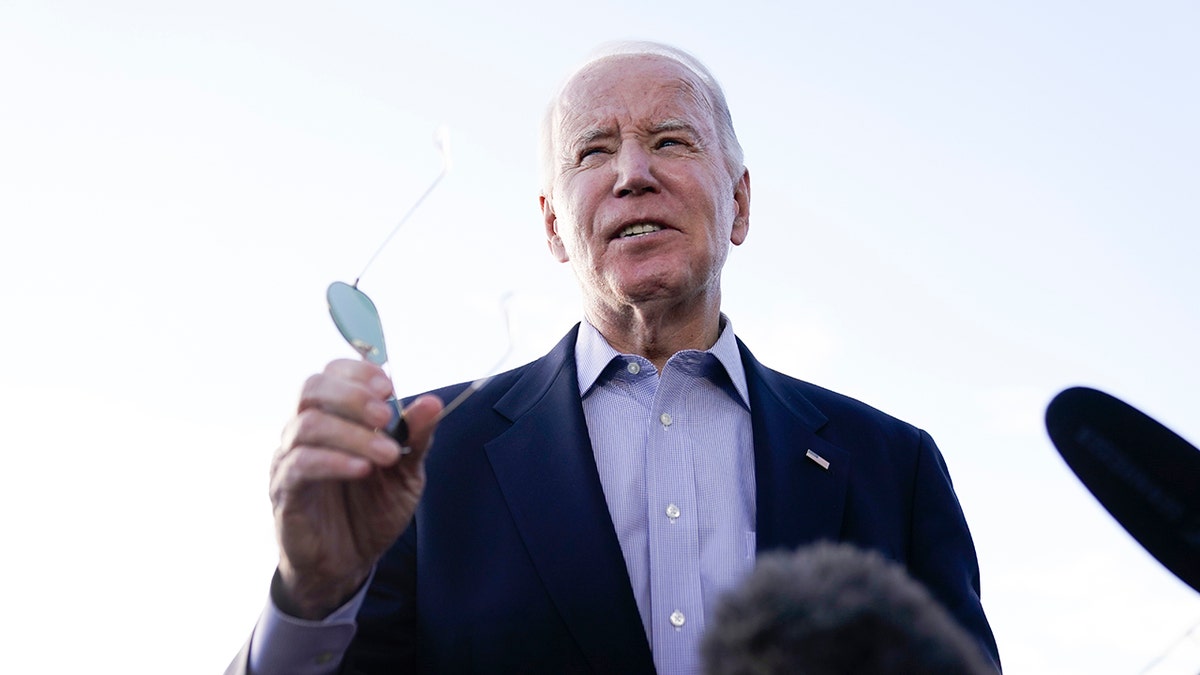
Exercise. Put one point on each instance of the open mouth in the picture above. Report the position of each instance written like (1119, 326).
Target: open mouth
(638, 230)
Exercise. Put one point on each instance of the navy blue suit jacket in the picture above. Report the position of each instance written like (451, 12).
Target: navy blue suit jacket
(512, 563)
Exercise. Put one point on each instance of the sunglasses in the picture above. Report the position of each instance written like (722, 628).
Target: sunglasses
(358, 320)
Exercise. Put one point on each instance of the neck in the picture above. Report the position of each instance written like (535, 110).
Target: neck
(658, 332)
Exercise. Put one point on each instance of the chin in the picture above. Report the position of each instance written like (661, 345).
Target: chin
(654, 288)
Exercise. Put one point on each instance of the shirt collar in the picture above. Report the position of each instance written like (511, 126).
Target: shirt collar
(593, 354)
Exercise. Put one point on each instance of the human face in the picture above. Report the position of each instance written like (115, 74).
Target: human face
(642, 203)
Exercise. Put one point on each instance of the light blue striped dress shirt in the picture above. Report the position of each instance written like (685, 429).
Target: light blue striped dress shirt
(676, 459)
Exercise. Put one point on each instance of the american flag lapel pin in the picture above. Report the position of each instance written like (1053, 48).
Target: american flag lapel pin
(820, 461)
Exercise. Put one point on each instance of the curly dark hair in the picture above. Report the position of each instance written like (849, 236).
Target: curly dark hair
(833, 609)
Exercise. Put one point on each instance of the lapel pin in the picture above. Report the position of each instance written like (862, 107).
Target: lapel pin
(821, 461)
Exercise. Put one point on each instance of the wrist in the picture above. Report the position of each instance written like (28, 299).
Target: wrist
(311, 599)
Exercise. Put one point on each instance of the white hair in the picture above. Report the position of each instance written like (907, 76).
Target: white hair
(731, 149)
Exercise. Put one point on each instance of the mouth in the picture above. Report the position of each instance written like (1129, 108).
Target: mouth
(638, 230)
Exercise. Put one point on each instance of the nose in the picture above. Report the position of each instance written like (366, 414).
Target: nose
(634, 170)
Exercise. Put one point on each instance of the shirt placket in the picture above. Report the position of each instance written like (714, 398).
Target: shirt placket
(677, 615)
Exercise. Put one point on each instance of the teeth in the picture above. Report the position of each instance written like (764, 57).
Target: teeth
(641, 228)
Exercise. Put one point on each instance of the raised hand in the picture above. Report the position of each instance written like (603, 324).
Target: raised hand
(342, 491)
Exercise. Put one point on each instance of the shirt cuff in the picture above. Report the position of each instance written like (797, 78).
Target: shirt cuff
(283, 644)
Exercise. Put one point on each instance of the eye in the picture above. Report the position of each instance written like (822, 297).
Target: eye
(591, 152)
(668, 142)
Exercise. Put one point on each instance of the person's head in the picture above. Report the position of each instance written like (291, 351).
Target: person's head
(644, 186)
(710, 88)
(833, 609)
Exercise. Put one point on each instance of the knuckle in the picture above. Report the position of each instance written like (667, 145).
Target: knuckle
(277, 489)
(339, 394)
(339, 365)
(308, 425)
(287, 438)
(302, 463)
(309, 391)
(349, 369)
(283, 479)
(298, 468)
(277, 458)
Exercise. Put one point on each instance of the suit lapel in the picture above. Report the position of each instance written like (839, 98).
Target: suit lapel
(800, 479)
(547, 473)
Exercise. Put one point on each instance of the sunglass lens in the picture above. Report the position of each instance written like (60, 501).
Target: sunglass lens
(358, 320)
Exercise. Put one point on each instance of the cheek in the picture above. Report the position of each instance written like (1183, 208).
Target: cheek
(576, 221)
(573, 242)
(585, 191)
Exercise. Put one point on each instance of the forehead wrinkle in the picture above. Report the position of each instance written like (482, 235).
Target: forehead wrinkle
(575, 107)
(667, 125)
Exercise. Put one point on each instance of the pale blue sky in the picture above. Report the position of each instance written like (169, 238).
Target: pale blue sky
(958, 210)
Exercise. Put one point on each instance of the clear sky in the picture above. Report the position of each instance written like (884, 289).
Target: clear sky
(958, 210)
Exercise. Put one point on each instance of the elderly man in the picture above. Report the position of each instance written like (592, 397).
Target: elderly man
(582, 513)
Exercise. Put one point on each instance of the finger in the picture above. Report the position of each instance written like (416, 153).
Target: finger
(360, 371)
(307, 464)
(422, 418)
(354, 399)
(320, 429)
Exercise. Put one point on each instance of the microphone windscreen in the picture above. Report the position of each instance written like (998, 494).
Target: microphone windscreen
(1147, 476)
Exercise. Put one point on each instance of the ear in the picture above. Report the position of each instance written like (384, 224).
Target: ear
(741, 202)
(553, 241)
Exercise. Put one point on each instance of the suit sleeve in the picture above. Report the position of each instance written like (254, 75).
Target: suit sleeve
(942, 554)
(386, 641)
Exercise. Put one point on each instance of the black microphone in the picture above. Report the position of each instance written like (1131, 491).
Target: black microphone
(1147, 476)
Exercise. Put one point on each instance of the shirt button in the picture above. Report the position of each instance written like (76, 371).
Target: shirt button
(665, 419)
(672, 511)
(678, 619)
(633, 368)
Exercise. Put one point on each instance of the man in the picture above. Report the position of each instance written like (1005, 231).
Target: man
(582, 513)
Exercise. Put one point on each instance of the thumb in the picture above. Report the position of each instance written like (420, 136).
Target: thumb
(422, 417)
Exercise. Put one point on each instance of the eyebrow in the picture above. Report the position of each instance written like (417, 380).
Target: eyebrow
(665, 126)
(594, 134)
(672, 124)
